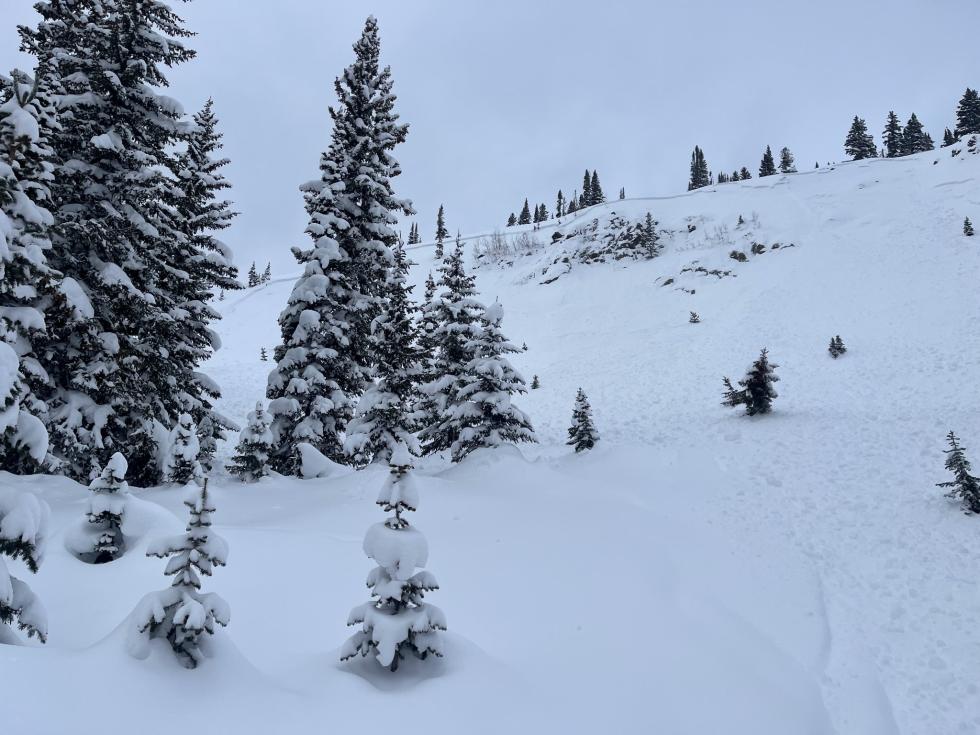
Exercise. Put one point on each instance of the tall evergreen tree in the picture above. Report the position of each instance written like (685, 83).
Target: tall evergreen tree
(735, 176)
(182, 614)
(27, 283)
(456, 312)
(964, 487)
(859, 144)
(586, 200)
(327, 348)
(525, 217)
(699, 170)
(23, 533)
(914, 138)
(573, 205)
(755, 390)
(543, 215)
(396, 621)
(536, 217)
(582, 433)
(385, 416)
(441, 232)
(253, 276)
(118, 238)
(595, 191)
(480, 412)
(108, 495)
(768, 165)
(182, 464)
(948, 138)
(267, 272)
(560, 205)
(787, 164)
(968, 113)
(892, 136)
(744, 174)
(622, 193)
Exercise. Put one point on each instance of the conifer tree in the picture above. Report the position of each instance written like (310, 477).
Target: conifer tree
(441, 232)
(525, 218)
(586, 200)
(512, 220)
(595, 191)
(481, 413)
(744, 174)
(573, 205)
(108, 495)
(768, 165)
(27, 283)
(967, 227)
(182, 614)
(622, 193)
(396, 621)
(535, 382)
(948, 138)
(267, 273)
(787, 164)
(735, 176)
(649, 243)
(964, 487)
(968, 113)
(914, 138)
(859, 144)
(560, 205)
(385, 416)
(456, 313)
(328, 349)
(117, 349)
(536, 217)
(543, 216)
(723, 178)
(263, 355)
(755, 390)
(23, 534)
(253, 276)
(837, 347)
(892, 136)
(582, 433)
(699, 170)
(183, 463)
(251, 459)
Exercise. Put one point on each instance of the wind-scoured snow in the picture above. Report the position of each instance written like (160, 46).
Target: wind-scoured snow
(699, 571)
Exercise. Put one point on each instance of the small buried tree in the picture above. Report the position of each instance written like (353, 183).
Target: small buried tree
(755, 390)
(396, 621)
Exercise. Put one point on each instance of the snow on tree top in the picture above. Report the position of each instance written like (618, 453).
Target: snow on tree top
(23, 517)
(399, 550)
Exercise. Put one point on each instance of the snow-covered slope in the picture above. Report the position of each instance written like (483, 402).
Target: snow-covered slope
(699, 572)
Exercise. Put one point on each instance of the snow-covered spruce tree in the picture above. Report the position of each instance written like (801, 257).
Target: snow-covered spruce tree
(23, 531)
(525, 216)
(117, 236)
(267, 272)
(787, 164)
(573, 205)
(586, 199)
(651, 239)
(596, 195)
(948, 138)
(536, 216)
(744, 174)
(202, 213)
(755, 390)
(182, 463)
(622, 192)
(768, 165)
(859, 144)
(560, 204)
(456, 312)
(253, 276)
(914, 138)
(837, 347)
(441, 232)
(251, 459)
(397, 621)
(512, 220)
(967, 227)
(480, 412)
(182, 613)
(27, 283)
(699, 171)
(327, 348)
(964, 487)
(582, 434)
(385, 417)
(535, 382)
(695, 318)
(892, 136)
(968, 113)
(108, 494)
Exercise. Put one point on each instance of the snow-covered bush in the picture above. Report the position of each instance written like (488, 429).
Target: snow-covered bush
(23, 529)
(182, 614)
(182, 463)
(755, 390)
(582, 434)
(396, 621)
(108, 496)
(251, 458)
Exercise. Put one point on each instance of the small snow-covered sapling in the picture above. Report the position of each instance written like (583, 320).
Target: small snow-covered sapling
(964, 487)
(582, 434)
(967, 227)
(755, 390)
(535, 383)
(108, 495)
(837, 347)
(695, 318)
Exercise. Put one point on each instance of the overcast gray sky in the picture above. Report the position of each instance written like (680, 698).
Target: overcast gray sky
(514, 98)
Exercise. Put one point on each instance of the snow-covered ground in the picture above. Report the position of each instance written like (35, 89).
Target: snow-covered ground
(698, 572)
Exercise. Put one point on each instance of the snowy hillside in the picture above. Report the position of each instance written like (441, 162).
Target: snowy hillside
(698, 572)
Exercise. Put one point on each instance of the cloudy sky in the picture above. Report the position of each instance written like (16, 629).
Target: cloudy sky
(514, 99)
